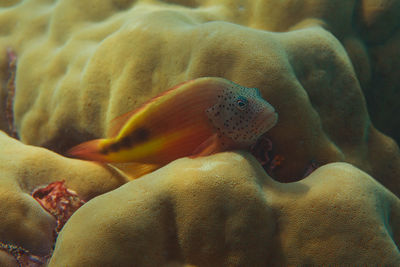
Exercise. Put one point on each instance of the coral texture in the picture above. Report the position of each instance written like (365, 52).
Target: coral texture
(223, 210)
(82, 64)
(324, 65)
(23, 222)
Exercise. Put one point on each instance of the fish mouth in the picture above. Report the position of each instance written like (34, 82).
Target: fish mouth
(268, 120)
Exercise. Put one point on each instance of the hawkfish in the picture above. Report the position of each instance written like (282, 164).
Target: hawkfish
(196, 118)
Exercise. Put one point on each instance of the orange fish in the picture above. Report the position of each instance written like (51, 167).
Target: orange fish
(196, 118)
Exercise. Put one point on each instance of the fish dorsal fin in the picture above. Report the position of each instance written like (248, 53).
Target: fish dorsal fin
(210, 146)
(117, 123)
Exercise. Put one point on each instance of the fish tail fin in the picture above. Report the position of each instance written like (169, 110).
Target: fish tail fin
(90, 150)
(134, 170)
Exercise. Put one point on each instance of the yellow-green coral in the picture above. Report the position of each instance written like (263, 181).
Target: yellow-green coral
(82, 63)
(223, 210)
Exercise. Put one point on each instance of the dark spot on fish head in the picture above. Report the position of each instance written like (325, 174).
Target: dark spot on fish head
(225, 114)
(219, 112)
(237, 111)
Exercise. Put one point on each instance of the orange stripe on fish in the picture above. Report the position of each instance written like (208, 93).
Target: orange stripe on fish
(119, 122)
(195, 118)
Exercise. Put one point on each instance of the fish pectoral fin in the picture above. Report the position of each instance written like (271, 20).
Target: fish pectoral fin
(208, 147)
(134, 170)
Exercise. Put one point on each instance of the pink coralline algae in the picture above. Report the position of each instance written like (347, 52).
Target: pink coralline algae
(59, 201)
(22, 256)
(12, 66)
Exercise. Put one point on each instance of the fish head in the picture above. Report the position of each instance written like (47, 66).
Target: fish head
(242, 114)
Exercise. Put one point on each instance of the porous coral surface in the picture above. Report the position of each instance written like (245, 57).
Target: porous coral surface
(223, 210)
(23, 222)
(82, 63)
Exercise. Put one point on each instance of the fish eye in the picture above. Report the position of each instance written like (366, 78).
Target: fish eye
(241, 103)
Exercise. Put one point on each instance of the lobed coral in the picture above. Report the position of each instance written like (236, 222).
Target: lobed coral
(326, 66)
(24, 223)
(223, 210)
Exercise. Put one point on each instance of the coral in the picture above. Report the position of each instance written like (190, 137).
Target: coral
(379, 25)
(22, 256)
(74, 78)
(25, 227)
(224, 210)
(326, 66)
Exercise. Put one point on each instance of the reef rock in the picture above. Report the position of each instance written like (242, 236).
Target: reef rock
(223, 210)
